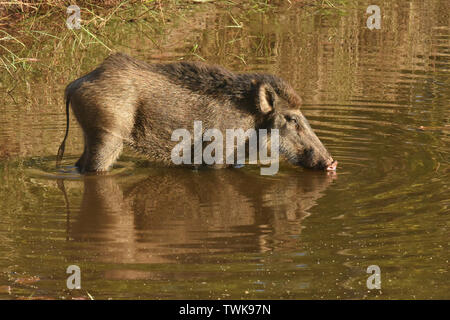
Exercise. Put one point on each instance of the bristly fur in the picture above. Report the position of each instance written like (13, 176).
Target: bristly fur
(211, 80)
(125, 100)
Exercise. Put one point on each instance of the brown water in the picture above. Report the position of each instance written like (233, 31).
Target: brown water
(379, 100)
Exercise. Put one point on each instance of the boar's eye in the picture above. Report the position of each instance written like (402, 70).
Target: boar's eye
(292, 120)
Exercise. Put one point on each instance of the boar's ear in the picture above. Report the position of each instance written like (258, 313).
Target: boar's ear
(265, 98)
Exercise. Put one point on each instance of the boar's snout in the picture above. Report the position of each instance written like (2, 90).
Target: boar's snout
(318, 158)
(332, 166)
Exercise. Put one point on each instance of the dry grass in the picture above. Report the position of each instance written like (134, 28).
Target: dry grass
(39, 6)
(23, 24)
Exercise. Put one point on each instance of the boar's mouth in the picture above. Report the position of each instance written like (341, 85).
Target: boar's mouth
(308, 161)
(332, 166)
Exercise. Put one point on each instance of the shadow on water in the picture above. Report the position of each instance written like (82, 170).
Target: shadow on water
(179, 215)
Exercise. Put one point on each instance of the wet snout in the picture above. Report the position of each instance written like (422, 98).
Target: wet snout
(319, 159)
(314, 154)
(332, 166)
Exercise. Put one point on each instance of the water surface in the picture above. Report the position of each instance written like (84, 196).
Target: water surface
(378, 99)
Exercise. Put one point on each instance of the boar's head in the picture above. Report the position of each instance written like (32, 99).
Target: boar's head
(278, 107)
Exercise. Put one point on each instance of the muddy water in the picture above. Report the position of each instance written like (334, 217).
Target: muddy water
(378, 99)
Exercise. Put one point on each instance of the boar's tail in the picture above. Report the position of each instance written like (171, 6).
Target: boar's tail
(60, 154)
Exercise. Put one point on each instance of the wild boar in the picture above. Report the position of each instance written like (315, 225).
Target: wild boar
(127, 101)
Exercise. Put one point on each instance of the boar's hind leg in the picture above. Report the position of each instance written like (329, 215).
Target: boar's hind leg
(101, 150)
(80, 163)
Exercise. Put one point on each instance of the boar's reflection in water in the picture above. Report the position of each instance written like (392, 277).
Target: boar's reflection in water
(129, 101)
(180, 215)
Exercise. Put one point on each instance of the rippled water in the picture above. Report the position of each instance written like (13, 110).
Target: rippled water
(379, 100)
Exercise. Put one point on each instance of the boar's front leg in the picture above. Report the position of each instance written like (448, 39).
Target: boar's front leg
(100, 151)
